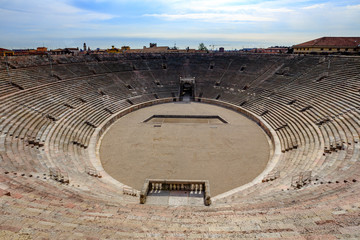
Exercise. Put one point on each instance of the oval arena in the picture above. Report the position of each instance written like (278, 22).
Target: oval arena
(227, 154)
(291, 133)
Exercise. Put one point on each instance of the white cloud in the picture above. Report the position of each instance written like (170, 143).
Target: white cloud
(46, 12)
(232, 20)
(315, 6)
(226, 11)
(213, 17)
(353, 7)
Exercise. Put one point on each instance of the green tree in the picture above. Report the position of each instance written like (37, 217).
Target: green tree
(202, 47)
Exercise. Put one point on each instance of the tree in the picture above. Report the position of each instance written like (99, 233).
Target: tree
(202, 47)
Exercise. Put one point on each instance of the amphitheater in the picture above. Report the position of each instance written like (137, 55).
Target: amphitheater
(55, 112)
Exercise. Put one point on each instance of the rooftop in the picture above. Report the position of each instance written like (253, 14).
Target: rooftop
(332, 41)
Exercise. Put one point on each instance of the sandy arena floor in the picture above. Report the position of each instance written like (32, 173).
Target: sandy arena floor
(228, 155)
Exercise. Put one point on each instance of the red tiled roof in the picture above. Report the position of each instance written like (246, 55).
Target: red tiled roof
(332, 42)
(3, 49)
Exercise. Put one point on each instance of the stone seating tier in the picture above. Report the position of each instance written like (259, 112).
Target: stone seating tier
(52, 115)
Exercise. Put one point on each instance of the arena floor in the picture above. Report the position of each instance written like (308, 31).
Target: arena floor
(227, 154)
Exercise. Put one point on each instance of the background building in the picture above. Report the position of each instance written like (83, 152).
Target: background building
(6, 52)
(276, 50)
(326, 45)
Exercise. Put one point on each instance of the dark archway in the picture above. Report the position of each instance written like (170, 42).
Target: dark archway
(187, 89)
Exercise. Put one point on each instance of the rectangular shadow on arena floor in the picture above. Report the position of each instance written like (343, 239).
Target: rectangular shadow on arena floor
(207, 119)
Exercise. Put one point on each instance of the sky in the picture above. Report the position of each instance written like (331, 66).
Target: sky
(232, 24)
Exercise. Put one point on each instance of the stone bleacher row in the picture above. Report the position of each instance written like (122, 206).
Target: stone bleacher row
(49, 114)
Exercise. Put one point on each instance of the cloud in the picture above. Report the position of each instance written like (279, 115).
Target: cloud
(232, 20)
(226, 6)
(226, 11)
(322, 5)
(46, 12)
(212, 17)
(353, 7)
